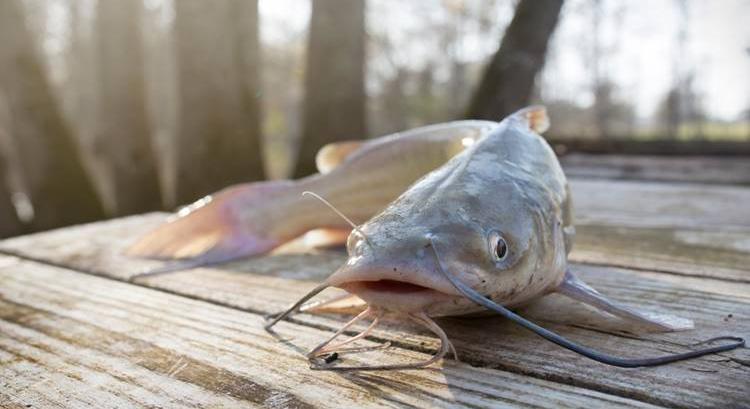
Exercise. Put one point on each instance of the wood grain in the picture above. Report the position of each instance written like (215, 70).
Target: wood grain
(653, 204)
(717, 307)
(75, 340)
(685, 251)
(270, 283)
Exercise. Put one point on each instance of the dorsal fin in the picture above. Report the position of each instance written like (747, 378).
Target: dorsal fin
(333, 154)
(536, 117)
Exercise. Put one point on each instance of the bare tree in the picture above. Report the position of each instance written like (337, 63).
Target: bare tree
(334, 106)
(394, 101)
(9, 223)
(282, 62)
(123, 138)
(426, 102)
(78, 88)
(457, 90)
(161, 93)
(508, 81)
(602, 88)
(218, 131)
(58, 187)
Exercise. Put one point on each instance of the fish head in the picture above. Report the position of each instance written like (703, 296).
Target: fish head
(507, 250)
(501, 235)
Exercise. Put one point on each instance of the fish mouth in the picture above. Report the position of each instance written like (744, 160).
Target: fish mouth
(395, 286)
(397, 295)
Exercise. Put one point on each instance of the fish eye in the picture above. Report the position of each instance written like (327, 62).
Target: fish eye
(498, 246)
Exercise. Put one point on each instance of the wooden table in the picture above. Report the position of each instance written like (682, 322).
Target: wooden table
(75, 332)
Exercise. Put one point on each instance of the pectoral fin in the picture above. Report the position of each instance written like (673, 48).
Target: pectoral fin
(576, 289)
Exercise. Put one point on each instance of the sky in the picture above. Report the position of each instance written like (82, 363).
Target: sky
(639, 46)
(642, 56)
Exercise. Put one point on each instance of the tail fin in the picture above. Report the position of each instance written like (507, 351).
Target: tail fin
(230, 224)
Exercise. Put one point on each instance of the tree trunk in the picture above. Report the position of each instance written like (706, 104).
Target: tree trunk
(58, 187)
(334, 107)
(9, 223)
(218, 64)
(79, 93)
(123, 136)
(508, 82)
(395, 102)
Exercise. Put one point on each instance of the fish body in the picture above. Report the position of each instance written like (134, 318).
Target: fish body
(462, 186)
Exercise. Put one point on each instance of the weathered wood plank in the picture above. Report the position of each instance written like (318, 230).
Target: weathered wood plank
(698, 252)
(718, 381)
(94, 247)
(692, 169)
(44, 370)
(268, 284)
(75, 340)
(718, 307)
(653, 204)
(495, 343)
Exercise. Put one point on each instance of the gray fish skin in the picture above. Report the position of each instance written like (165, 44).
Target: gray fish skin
(381, 169)
(510, 183)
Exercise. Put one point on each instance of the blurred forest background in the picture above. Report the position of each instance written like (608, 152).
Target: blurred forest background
(111, 107)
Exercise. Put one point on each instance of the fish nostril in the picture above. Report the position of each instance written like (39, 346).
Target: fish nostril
(427, 242)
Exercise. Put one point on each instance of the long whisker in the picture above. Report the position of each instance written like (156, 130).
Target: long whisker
(280, 316)
(338, 212)
(385, 345)
(326, 346)
(445, 343)
(420, 318)
(366, 332)
(476, 297)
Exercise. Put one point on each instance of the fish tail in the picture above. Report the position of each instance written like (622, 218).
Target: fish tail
(239, 221)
